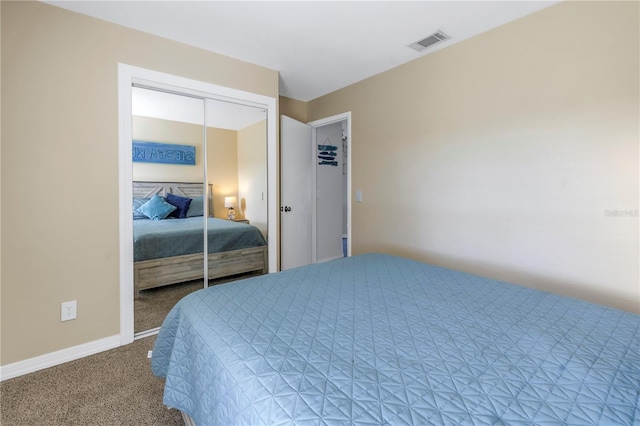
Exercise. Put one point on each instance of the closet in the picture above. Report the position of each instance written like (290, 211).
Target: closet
(205, 155)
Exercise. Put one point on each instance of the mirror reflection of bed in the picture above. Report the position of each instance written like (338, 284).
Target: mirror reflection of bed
(169, 260)
(168, 252)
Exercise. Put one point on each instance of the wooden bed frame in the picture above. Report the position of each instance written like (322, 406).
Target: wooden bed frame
(171, 270)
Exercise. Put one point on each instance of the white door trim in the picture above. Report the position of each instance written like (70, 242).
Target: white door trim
(314, 125)
(127, 75)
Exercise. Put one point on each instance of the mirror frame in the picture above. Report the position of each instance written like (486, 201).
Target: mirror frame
(127, 76)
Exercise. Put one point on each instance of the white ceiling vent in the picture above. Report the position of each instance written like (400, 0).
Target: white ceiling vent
(429, 41)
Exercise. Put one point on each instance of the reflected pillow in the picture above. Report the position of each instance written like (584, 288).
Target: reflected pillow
(156, 208)
(181, 204)
(196, 207)
(137, 203)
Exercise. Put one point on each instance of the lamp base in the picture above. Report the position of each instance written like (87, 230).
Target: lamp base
(231, 214)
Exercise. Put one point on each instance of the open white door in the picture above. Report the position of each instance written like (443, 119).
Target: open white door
(296, 203)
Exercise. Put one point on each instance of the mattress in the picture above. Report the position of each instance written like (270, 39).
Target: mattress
(379, 339)
(155, 239)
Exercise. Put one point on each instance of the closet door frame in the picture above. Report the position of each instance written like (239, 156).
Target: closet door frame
(127, 76)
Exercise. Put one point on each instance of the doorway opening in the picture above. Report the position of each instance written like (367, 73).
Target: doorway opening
(331, 181)
(315, 212)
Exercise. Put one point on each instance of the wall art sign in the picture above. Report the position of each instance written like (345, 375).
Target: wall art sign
(327, 155)
(154, 152)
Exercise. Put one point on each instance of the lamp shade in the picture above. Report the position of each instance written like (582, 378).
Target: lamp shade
(229, 202)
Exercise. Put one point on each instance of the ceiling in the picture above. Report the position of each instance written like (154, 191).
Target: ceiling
(317, 46)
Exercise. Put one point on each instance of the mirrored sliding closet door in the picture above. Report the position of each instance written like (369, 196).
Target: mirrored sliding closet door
(237, 177)
(169, 202)
(199, 197)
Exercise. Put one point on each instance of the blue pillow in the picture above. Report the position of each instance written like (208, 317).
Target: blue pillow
(181, 204)
(156, 208)
(137, 203)
(196, 207)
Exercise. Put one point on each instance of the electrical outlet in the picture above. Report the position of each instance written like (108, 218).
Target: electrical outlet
(69, 310)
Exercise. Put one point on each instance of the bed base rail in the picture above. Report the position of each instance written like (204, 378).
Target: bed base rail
(160, 272)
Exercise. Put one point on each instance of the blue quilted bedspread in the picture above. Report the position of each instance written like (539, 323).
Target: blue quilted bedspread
(155, 239)
(378, 339)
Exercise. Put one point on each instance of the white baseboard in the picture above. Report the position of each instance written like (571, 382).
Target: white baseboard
(41, 362)
(148, 333)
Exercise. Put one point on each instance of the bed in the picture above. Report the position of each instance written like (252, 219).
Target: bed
(170, 251)
(378, 339)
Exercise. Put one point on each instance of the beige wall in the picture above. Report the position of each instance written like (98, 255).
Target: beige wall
(222, 166)
(502, 154)
(252, 174)
(60, 166)
(293, 108)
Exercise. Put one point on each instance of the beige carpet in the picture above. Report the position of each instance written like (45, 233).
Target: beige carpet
(115, 387)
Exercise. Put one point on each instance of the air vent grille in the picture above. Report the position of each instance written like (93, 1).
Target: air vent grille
(429, 41)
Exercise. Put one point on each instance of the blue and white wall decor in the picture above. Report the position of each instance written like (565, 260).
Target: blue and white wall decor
(327, 155)
(154, 152)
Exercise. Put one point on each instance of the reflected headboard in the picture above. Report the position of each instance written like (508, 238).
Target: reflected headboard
(183, 189)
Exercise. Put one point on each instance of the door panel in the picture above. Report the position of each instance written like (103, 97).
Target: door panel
(236, 172)
(168, 118)
(296, 193)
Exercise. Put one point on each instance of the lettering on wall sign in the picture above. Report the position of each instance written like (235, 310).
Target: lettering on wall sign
(154, 152)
